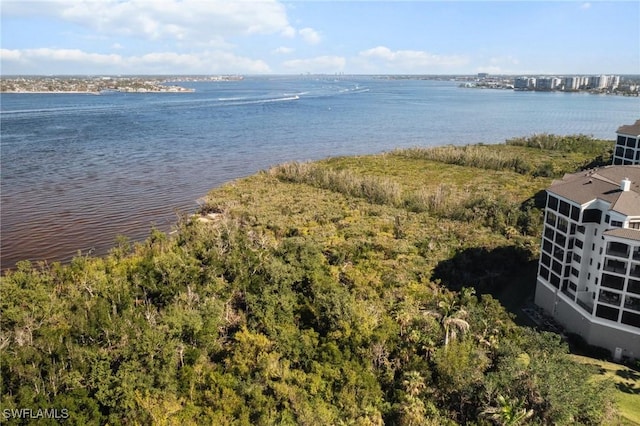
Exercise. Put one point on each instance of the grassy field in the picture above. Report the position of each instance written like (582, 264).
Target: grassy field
(627, 384)
(467, 216)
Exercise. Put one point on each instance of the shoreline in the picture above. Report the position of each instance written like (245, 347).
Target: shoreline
(86, 92)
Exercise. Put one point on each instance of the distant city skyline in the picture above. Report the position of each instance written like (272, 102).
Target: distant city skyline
(162, 37)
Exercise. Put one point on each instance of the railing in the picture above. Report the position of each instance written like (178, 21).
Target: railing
(587, 307)
(633, 304)
(618, 253)
(617, 270)
(612, 300)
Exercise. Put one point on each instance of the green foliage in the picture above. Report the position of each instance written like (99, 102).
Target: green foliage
(309, 294)
(569, 143)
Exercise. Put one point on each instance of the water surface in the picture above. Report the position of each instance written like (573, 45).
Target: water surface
(77, 170)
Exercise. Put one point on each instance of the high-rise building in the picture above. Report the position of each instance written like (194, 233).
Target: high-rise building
(627, 149)
(589, 268)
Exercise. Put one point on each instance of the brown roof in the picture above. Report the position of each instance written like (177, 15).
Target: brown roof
(631, 129)
(631, 234)
(604, 184)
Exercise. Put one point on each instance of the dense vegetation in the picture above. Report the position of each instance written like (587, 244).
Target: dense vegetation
(350, 291)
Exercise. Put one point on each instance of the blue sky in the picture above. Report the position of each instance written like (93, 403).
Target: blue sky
(351, 37)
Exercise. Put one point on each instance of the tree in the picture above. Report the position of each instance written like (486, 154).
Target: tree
(508, 412)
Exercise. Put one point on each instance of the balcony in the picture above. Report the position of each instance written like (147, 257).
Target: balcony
(617, 249)
(617, 266)
(633, 286)
(632, 303)
(612, 281)
(609, 298)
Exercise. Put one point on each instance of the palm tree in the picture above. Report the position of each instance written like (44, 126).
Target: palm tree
(451, 316)
(413, 383)
(510, 412)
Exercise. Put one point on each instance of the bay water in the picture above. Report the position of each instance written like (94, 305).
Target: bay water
(77, 170)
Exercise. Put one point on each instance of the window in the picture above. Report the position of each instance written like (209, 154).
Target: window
(578, 243)
(560, 239)
(617, 266)
(609, 297)
(607, 312)
(552, 203)
(630, 318)
(619, 151)
(631, 142)
(634, 224)
(555, 281)
(635, 270)
(592, 216)
(565, 208)
(575, 213)
(544, 273)
(574, 272)
(557, 267)
(633, 286)
(617, 249)
(629, 153)
(577, 258)
(581, 229)
(621, 140)
(616, 224)
(563, 224)
(551, 218)
(548, 232)
(633, 303)
(547, 246)
(558, 253)
(612, 281)
(545, 259)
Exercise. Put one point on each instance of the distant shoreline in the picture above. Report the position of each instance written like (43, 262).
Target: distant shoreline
(84, 92)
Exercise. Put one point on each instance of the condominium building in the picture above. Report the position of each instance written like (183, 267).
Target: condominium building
(627, 149)
(589, 270)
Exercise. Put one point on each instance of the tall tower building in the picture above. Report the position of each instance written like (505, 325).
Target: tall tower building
(627, 149)
(589, 269)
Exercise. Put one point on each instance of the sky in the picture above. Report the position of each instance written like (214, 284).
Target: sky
(213, 37)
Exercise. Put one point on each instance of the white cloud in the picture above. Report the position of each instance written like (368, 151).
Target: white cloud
(288, 32)
(410, 60)
(585, 6)
(310, 35)
(48, 61)
(317, 65)
(182, 20)
(282, 50)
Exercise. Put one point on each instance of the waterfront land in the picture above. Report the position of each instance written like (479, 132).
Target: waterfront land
(360, 290)
(621, 85)
(98, 84)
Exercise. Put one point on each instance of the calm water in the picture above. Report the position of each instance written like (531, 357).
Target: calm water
(78, 170)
